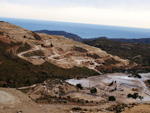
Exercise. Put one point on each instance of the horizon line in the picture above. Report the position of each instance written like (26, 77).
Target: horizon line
(77, 23)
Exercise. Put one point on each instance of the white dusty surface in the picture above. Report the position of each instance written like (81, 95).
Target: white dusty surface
(122, 81)
(5, 97)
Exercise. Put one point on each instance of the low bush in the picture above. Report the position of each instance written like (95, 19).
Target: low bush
(79, 49)
(148, 81)
(93, 90)
(136, 75)
(111, 61)
(36, 36)
(34, 53)
(1, 33)
(95, 56)
(112, 98)
(76, 109)
(111, 83)
(134, 96)
(129, 95)
(24, 48)
(79, 86)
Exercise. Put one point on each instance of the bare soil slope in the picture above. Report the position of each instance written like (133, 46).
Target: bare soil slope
(139, 109)
(13, 101)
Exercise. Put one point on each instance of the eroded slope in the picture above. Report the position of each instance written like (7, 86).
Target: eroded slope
(61, 51)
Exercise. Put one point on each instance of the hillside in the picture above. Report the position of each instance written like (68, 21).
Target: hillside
(135, 52)
(27, 57)
(16, 70)
(14, 101)
(141, 40)
(62, 33)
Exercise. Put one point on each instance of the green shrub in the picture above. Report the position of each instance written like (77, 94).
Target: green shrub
(111, 61)
(34, 53)
(51, 45)
(112, 98)
(79, 86)
(79, 49)
(76, 109)
(24, 48)
(148, 81)
(111, 83)
(93, 90)
(134, 96)
(1, 33)
(95, 56)
(36, 36)
(129, 95)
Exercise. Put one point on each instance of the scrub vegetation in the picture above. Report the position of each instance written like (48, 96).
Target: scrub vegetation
(135, 52)
(16, 72)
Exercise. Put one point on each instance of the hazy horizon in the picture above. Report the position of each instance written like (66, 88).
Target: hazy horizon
(77, 23)
(80, 29)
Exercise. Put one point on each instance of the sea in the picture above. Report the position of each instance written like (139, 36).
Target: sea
(80, 29)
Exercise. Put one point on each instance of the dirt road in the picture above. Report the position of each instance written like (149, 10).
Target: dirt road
(145, 87)
(33, 49)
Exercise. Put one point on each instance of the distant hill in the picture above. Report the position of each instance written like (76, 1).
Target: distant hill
(141, 40)
(62, 33)
(79, 39)
(136, 52)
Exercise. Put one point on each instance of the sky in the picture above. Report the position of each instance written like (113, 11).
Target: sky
(131, 13)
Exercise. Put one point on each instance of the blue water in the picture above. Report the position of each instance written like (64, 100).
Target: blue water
(83, 30)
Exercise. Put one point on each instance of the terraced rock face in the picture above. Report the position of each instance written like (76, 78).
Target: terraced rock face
(61, 51)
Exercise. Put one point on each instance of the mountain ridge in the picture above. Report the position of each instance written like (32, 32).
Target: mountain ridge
(80, 39)
(141, 40)
(61, 33)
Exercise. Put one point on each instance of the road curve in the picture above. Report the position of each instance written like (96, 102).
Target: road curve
(33, 49)
(144, 86)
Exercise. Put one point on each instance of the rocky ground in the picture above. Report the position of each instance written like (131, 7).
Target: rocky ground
(14, 101)
(53, 94)
(139, 109)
